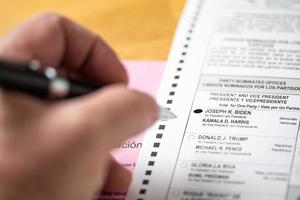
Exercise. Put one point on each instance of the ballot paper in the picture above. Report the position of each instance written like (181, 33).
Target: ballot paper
(233, 80)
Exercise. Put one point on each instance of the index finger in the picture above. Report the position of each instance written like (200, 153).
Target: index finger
(58, 42)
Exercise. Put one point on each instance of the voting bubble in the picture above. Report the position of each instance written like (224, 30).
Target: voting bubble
(198, 111)
(191, 137)
(184, 164)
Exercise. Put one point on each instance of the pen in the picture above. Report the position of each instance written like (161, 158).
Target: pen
(29, 79)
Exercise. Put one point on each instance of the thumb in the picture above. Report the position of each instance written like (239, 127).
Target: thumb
(70, 141)
(115, 113)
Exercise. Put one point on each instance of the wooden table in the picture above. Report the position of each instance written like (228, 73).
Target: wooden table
(136, 29)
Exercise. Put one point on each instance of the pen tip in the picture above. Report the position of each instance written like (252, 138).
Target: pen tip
(166, 114)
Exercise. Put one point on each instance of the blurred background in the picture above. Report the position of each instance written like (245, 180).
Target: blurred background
(136, 29)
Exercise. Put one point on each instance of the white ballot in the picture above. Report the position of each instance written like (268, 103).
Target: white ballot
(233, 80)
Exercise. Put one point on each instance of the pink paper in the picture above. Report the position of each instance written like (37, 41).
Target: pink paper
(143, 76)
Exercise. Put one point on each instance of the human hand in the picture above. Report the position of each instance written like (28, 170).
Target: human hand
(62, 150)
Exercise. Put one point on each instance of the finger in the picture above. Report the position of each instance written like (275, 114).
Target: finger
(118, 179)
(112, 114)
(57, 41)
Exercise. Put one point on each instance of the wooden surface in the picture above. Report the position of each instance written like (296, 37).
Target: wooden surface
(136, 29)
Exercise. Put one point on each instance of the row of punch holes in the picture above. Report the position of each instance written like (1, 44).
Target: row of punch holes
(172, 92)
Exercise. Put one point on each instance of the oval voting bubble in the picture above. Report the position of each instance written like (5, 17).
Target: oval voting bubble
(198, 111)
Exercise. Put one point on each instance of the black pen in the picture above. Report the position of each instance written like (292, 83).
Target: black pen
(44, 84)
(28, 78)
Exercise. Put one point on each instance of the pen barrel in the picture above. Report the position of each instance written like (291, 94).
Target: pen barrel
(20, 78)
(29, 82)
(78, 88)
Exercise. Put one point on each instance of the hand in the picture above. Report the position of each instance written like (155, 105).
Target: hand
(62, 150)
